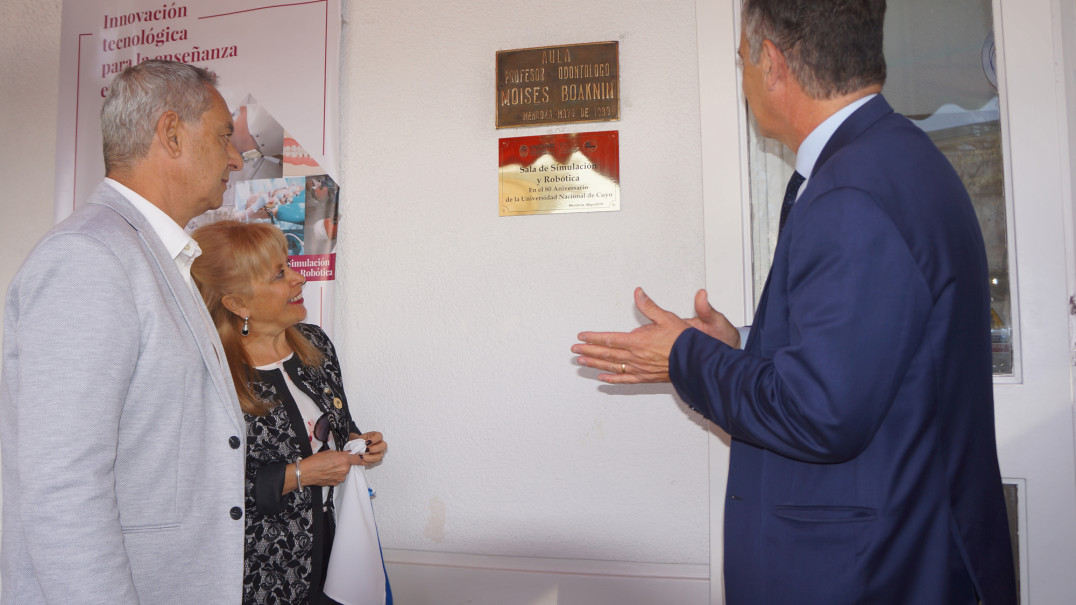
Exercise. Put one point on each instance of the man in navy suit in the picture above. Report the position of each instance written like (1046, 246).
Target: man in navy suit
(863, 467)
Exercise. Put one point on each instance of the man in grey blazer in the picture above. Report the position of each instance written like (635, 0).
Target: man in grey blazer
(122, 439)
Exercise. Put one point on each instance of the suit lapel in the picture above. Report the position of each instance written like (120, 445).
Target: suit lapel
(855, 125)
(860, 120)
(759, 322)
(192, 307)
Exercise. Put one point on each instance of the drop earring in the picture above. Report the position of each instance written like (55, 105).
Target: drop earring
(246, 326)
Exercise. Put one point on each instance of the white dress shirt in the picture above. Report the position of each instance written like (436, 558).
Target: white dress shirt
(179, 244)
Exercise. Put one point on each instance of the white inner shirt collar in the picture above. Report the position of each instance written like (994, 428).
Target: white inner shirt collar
(812, 146)
(174, 238)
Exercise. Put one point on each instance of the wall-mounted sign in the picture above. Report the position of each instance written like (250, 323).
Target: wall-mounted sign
(558, 173)
(558, 84)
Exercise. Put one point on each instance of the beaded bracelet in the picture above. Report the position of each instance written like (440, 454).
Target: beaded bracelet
(298, 474)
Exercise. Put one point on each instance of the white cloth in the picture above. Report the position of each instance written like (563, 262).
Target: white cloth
(356, 574)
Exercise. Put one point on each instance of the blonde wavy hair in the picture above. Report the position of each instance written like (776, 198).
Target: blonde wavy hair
(233, 254)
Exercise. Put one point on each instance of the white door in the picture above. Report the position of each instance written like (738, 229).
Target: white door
(943, 71)
(1034, 408)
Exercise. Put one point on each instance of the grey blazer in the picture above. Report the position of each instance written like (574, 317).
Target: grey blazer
(122, 440)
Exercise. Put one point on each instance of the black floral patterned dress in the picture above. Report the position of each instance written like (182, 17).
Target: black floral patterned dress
(284, 535)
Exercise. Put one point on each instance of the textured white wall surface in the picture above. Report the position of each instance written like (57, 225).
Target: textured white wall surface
(454, 324)
(29, 81)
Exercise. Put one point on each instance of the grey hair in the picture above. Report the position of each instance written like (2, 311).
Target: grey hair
(755, 30)
(139, 96)
(832, 47)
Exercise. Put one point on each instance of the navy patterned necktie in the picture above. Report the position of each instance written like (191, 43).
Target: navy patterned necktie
(791, 191)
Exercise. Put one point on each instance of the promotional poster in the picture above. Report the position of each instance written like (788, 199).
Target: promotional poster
(277, 66)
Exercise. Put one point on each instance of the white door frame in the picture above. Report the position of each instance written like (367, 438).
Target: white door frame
(727, 224)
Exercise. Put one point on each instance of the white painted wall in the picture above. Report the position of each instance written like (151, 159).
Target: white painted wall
(456, 323)
(29, 81)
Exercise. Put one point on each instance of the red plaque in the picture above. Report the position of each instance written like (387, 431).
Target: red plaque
(558, 173)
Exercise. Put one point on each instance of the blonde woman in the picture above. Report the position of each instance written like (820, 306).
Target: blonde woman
(287, 376)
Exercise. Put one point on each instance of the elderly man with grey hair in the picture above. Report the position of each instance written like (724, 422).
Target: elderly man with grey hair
(122, 439)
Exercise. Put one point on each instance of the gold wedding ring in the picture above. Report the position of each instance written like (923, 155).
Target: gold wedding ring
(623, 368)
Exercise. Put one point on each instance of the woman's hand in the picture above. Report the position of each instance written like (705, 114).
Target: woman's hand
(375, 447)
(328, 468)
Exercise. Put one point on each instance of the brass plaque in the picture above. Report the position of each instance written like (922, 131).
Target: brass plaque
(558, 85)
(559, 173)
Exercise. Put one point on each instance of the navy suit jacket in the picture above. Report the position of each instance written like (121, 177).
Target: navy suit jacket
(863, 466)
